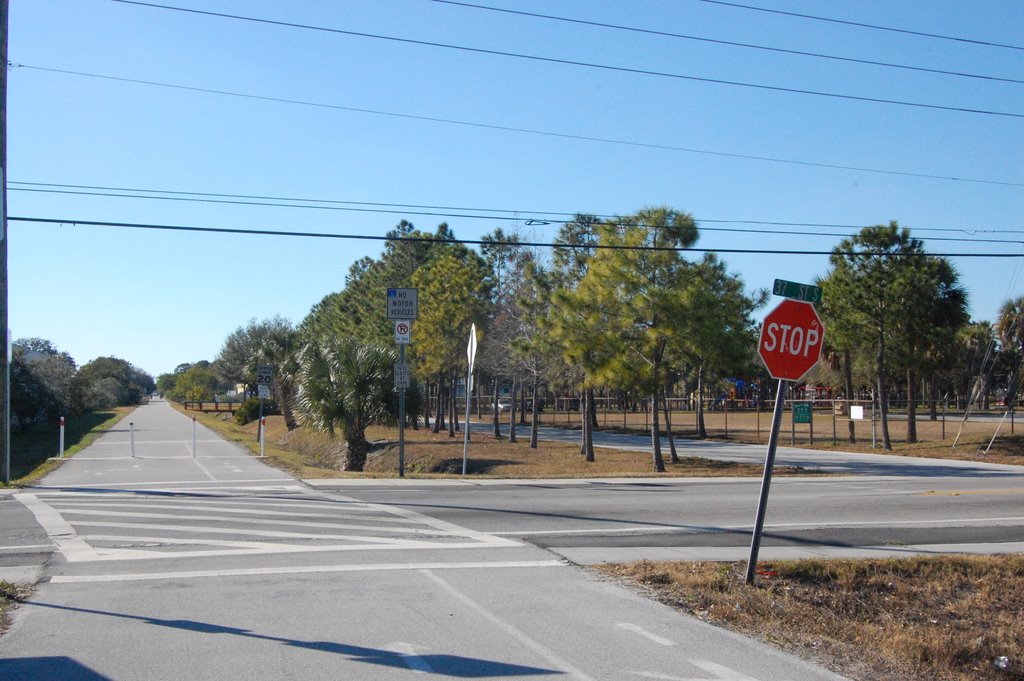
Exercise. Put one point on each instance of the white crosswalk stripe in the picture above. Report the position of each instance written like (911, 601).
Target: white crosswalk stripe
(90, 526)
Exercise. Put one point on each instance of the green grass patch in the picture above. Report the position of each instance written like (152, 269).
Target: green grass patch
(31, 449)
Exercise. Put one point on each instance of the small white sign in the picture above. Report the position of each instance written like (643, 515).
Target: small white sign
(856, 412)
(401, 376)
(403, 332)
(264, 391)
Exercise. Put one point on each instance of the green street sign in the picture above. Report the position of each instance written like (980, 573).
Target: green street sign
(791, 289)
(802, 412)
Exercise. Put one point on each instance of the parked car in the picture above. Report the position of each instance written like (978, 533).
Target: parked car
(504, 405)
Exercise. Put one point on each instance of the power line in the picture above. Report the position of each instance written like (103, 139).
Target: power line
(583, 64)
(380, 208)
(480, 242)
(730, 43)
(525, 131)
(876, 27)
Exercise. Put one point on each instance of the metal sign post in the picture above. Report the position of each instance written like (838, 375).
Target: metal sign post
(264, 379)
(131, 439)
(403, 336)
(766, 482)
(471, 356)
(263, 429)
(60, 454)
(789, 345)
(193, 437)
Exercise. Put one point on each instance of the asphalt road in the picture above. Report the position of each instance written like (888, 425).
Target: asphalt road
(205, 564)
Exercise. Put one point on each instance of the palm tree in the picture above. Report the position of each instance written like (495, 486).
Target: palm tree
(280, 349)
(1010, 329)
(1010, 325)
(345, 386)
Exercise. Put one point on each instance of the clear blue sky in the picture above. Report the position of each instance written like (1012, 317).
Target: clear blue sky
(161, 298)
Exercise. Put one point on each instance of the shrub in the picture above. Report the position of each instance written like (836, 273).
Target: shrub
(248, 412)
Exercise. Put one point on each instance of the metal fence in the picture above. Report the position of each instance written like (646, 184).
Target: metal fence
(822, 421)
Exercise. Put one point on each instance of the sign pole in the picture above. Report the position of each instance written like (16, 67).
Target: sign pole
(766, 483)
(61, 453)
(471, 356)
(401, 418)
(193, 437)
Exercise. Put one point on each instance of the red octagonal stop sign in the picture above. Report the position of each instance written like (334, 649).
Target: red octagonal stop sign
(791, 340)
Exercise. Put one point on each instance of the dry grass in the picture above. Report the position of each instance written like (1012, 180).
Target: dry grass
(950, 618)
(10, 596)
(307, 454)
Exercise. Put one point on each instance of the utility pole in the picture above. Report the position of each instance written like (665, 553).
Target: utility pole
(5, 361)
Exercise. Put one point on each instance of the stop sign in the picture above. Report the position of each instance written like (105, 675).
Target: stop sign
(791, 340)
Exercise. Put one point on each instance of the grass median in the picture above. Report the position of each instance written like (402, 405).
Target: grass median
(308, 454)
(33, 448)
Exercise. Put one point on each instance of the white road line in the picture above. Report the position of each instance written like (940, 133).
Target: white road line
(253, 545)
(365, 539)
(143, 505)
(154, 442)
(59, 530)
(408, 654)
(646, 529)
(241, 500)
(235, 531)
(25, 547)
(313, 569)
(256, 521)
(439, 524)
(548, 654)
(720, 671)
(155, 486)
(649, 635)
(205, 471)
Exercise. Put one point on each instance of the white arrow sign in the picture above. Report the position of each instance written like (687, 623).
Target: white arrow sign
(471, 348)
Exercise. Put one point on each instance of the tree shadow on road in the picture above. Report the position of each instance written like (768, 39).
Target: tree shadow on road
(455, 666)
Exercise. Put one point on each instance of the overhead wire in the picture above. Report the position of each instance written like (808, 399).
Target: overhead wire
(526, 131)
(583, 64)
(877, 27)
(404, 209)
(728, 43)
(492, 243)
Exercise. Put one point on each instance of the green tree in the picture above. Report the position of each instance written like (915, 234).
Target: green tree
(573, 319)
(1010, 329)
(718, 335)
(453, 293)
(345, 386)
(887, 294)
(639, 278)
(198, 383)
(133, 383)
(43, 382)
(280, 349)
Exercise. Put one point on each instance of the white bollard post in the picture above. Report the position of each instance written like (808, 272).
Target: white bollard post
(131, 438)
(263, 430)
(60, 453)
(193, 437)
